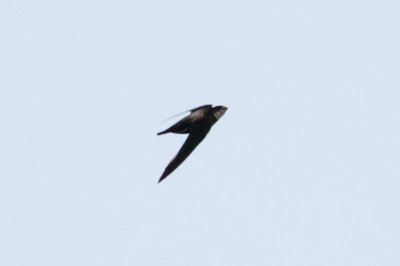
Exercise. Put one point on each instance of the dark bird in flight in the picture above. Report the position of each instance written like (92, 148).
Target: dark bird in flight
(197, 124)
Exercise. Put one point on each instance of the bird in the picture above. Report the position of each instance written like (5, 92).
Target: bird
(197, 124)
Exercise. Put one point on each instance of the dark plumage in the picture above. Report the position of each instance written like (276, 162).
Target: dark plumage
(197, 124)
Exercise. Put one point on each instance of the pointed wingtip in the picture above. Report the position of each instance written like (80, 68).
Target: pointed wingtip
(161, 178)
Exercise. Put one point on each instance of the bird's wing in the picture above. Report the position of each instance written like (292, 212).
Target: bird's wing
(199, 113)
(184, 125)
(206, 106)
(194, 138)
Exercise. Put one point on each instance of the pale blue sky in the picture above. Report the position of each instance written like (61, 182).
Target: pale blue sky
(303, 169)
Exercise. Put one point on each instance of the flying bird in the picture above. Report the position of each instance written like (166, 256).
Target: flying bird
(197, 124)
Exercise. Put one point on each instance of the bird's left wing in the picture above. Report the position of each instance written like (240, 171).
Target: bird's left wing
(194, 139)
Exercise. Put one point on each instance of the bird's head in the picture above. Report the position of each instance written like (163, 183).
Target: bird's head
(219, 111)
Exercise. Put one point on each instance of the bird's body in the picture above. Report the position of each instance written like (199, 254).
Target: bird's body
(197, 124)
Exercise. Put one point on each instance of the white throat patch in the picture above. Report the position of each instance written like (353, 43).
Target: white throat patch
(219, 114)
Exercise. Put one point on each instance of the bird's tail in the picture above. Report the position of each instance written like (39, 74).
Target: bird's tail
(162, 132)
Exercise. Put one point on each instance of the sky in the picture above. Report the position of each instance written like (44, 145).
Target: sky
(303, 169)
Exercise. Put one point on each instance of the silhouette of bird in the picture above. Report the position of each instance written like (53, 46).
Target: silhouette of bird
(197, 124)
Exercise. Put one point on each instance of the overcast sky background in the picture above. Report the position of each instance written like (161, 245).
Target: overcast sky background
(303, 169)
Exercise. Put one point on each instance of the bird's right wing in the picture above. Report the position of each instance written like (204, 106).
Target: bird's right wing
(183, 126)
(199, 113)
(207, 106)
